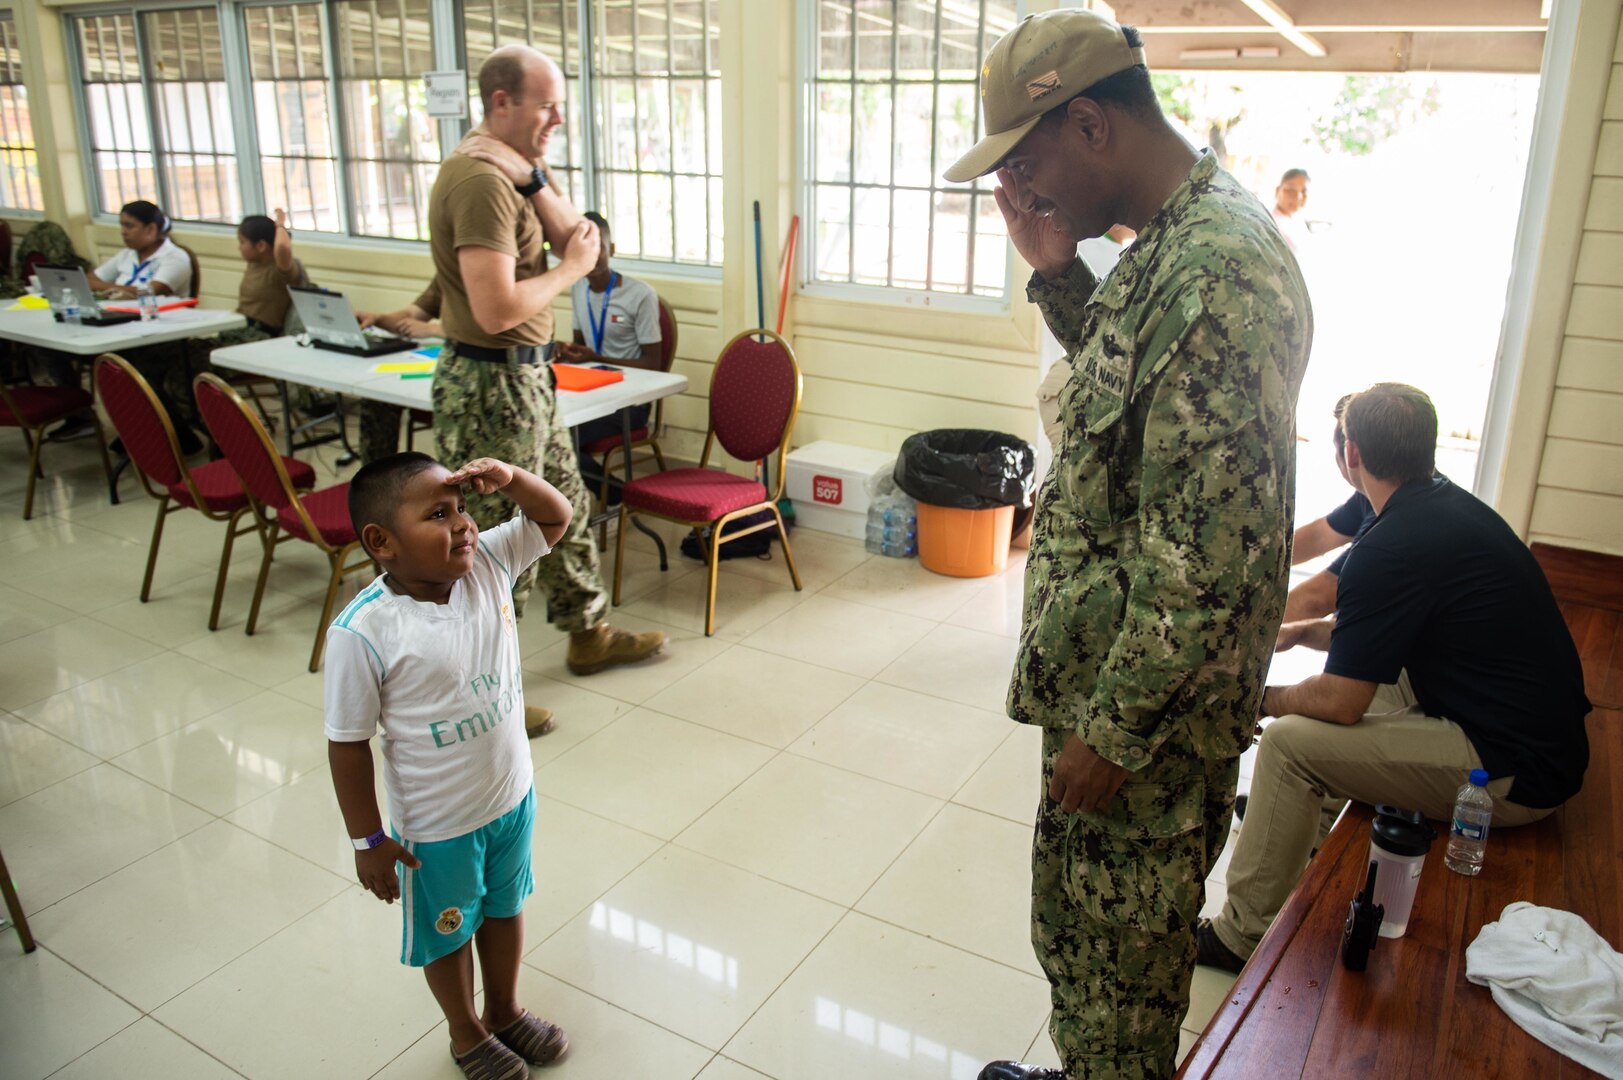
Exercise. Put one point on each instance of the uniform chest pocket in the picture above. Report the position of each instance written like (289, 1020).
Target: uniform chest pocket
(1092, 408)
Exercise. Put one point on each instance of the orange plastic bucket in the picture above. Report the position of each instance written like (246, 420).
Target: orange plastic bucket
(964, 543)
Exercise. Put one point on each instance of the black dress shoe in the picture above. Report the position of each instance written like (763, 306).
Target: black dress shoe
(1211, 952)
(1019, 1070)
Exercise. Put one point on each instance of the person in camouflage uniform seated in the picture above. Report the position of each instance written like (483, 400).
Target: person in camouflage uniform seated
(46, 243)
(1160, 553)
(491, 210)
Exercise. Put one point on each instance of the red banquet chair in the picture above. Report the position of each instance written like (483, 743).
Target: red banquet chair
(35, 408)
(213, 489)
(611, 446)
(754, 400)
(320, 517)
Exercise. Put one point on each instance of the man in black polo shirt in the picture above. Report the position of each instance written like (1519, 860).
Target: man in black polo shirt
(1447, 653)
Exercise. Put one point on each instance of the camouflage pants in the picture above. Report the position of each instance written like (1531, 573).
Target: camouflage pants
(380, 430)
(1114, 898)
(176, 368)
(510, 411)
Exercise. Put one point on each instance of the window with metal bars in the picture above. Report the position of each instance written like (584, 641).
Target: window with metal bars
(192, 106)
(19, 163)
(893, 101)
(553, 26)
(115, 100)
(391, 145)
(647, 74)
(298, 152)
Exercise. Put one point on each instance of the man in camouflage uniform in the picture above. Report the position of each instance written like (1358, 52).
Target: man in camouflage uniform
(1160, 556)
(494, 396)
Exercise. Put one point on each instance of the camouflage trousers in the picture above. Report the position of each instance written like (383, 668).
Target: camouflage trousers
(174, 368)
(1114, 899)
(510, 411)
(380, 430)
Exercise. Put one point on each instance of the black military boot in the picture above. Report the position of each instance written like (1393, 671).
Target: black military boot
(1019, 1070)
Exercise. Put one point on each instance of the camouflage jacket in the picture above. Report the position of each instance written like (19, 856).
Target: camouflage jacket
(1161, 552)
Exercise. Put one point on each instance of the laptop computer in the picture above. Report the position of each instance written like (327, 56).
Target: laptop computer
(331, 324)
(55, 281)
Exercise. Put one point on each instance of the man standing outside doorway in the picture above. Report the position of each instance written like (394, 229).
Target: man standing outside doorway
(492, 207)
(1160, 555)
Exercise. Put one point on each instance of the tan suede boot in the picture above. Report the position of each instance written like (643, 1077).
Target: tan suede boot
(603, 646)
(537, 721)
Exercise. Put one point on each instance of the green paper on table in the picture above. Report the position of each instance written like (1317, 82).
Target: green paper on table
(416, 374)
(406, 367)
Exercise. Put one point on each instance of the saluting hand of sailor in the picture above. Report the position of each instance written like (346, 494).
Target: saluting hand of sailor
(1032, 230)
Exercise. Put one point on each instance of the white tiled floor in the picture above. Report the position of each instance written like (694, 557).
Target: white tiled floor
(798, 849)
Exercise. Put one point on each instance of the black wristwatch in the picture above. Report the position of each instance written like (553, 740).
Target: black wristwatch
(538, 180)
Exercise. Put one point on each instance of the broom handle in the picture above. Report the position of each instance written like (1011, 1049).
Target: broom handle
(788, 263)
(760, 289)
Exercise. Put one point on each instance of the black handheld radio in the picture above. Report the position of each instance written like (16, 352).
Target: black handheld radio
(1364, 917)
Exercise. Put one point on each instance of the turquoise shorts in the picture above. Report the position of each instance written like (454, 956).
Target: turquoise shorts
(462, 880)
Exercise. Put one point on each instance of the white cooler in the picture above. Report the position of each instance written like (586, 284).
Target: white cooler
(826, 481)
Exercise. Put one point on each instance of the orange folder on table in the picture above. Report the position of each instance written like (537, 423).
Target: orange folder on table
(575, 377)
(166, 305)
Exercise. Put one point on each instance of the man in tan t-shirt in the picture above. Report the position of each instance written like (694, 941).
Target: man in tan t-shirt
(492, 208)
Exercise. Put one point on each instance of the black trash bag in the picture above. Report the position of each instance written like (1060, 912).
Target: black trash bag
(967, 469)
(755, 545)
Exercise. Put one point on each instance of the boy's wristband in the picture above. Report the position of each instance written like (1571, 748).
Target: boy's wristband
(367, 843)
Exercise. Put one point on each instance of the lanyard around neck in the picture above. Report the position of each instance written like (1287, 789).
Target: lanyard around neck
(600, 322)
(135, 274)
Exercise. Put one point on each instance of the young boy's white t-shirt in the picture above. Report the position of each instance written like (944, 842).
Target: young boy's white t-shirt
(443, 683)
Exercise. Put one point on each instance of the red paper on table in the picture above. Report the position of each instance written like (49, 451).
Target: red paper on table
(135, 309)
(575, 377)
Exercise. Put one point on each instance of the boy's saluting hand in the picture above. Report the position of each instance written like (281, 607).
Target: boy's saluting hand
(486, 474)
(375, 869)
(541, 502)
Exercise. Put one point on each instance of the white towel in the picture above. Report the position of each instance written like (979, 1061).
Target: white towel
(1558, 979)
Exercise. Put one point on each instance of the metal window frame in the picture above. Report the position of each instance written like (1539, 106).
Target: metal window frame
(10, 146)
(596, 178)
(163, 158)
(807, 54)
(247, 81)
(448, 43)
(588, 45)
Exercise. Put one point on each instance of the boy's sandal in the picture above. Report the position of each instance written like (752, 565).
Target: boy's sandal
(491, 1060)
(534, 1039)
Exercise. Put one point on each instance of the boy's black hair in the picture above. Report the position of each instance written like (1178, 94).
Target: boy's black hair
(374, 492)
(257, 229)
(599, 220)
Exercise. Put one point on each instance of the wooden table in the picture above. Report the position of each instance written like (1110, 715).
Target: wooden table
(1295, 1011)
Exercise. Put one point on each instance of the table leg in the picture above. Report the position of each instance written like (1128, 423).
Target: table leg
(287, 415)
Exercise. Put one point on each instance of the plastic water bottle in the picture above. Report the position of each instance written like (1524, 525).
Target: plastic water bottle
(70, 307)
(147, 301)
(1473, 812)
(900, 541)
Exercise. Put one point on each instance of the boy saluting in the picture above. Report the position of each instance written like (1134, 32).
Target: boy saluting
(428, 653)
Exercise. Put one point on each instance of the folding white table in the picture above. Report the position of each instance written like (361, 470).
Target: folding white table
(37, 327)
(285, 360)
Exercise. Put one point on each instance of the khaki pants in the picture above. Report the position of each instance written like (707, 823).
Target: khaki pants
(1307, 769)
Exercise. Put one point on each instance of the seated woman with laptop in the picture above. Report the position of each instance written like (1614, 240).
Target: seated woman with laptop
(148, 257)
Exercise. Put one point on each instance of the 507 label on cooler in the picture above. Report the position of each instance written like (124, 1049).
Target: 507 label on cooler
(828, 489)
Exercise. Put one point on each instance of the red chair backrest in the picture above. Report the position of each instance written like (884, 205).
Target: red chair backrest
(667, 336)
(237, 433)
(5, 248)
(753, 394)
(140, 420)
